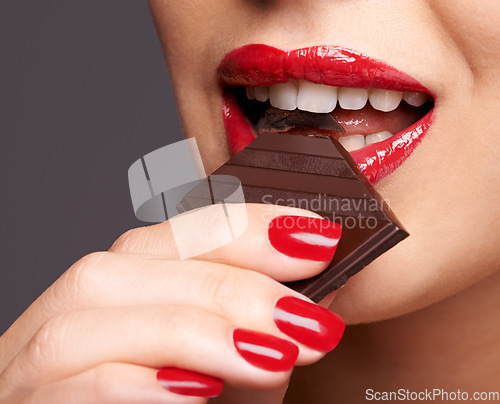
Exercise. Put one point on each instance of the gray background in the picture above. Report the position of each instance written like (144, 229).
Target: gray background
(84, 92)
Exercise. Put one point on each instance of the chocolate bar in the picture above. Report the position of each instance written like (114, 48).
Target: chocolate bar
(314, 173)
(278, 121)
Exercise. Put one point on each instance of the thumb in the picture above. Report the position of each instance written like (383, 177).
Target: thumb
(284, 243)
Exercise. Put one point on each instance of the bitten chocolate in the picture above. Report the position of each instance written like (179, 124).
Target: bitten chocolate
(278, 121)
(314, 173)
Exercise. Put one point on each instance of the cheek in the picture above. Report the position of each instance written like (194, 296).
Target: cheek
(187, 31)
(191, 35)
(475, 28)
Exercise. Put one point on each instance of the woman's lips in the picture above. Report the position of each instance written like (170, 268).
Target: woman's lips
(260, 65)
(263, 65)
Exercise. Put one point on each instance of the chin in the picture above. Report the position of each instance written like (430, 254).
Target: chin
(405, 280)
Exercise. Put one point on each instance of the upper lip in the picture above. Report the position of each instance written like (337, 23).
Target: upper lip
(261, 65)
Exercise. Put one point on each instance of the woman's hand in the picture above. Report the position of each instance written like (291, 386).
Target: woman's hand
(102, 331)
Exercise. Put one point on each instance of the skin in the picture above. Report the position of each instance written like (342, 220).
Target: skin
(432, 299)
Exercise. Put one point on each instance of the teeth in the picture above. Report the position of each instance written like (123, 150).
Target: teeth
(415, 99)
(385, 100)
(284, 96)
(355, 142)
(353, 98)
(377, 137)
(320, 98)
(262, 93)
(317, 98)
(250, 90)
(352, 142)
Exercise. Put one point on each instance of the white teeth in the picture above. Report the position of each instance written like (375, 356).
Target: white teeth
(353, 98)
(284, 96)
(352, 142)
(385, 100)
(355, 142)
(320, 98)
(415, 99)
(262, 93)
(317, 98)
(250, 90)
(377, 137)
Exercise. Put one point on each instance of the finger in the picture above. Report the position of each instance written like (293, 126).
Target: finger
(118, 383)
(245, 298)
(278, 240)
(156, 337)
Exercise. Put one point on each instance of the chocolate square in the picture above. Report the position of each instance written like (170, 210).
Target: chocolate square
(315, 173)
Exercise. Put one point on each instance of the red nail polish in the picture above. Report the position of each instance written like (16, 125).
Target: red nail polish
(305, 237)
(189, 383)
(265, 351)
(308, 323)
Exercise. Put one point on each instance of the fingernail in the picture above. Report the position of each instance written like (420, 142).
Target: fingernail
(265, 351)
(189, 383)
(308, 323)
(305, 237)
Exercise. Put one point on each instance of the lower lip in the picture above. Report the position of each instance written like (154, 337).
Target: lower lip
(377, 160)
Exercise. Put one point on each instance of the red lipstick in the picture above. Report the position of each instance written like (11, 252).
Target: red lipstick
(263, 65)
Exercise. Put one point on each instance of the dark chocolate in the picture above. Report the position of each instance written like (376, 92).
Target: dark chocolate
(277, 121)
(317, 174)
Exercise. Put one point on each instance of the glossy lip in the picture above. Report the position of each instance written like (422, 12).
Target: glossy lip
(263, 65)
